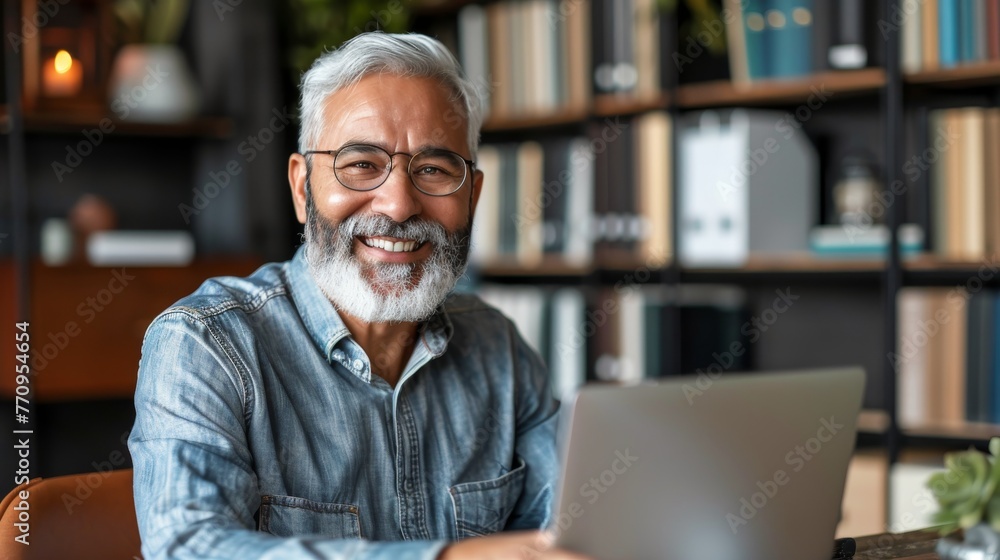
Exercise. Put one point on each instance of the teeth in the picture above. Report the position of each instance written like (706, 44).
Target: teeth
(386, 245)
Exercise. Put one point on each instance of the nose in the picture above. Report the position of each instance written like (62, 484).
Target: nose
(397, 198)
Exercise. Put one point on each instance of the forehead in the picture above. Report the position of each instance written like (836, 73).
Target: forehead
(396, 112)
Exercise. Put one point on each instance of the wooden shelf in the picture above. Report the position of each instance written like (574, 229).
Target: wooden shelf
(930, 270)
(611, 105)
(787, 268)
(981, 73)
(551, 267)
(799, 262)
(528, 121)
(605, 271)
(951, 434)
(73, 123)
(780, 92)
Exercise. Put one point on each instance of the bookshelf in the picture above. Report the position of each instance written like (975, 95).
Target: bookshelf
(884, 100)
(144, 171)
(218, 128)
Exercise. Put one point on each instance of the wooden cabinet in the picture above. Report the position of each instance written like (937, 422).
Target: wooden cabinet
(87, 323)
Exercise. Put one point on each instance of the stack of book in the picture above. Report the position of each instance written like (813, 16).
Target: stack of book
(946, 33)
(773, 39)
(964, 155)
(632, 46)
(619, 334)
(531, 57)
(567, 198)
(946, 357)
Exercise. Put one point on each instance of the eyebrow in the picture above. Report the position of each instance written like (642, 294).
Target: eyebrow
(420, 148)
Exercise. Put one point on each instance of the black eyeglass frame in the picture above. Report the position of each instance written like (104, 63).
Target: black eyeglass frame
(471, 165)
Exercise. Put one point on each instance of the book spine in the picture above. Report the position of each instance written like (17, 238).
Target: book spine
(948, 26)
(755, 27)
(789, 30)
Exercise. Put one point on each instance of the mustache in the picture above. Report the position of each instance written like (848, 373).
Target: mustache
(375, 225)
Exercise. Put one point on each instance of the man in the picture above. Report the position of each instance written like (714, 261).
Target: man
(325, 406)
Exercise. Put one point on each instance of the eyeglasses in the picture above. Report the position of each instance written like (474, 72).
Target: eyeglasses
(362, 167)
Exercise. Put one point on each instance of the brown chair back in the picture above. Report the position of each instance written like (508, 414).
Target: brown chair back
(81, 516)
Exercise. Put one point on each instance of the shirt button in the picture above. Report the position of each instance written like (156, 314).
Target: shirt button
(408, 485)
(338, 355)
(358, 365)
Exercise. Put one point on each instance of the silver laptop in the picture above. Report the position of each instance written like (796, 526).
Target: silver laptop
(743, 467)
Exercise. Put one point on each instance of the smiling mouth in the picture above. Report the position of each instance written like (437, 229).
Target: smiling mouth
(393, 246)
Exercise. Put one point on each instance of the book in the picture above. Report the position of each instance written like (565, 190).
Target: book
(528, 220)
(655, 187)
(789, 26)
(757, 52)
(948, 30)
(736, 43)
(140, 248)
(972, 183)
(930, 37)
(911, 51)
(486, 223)
(474, 52)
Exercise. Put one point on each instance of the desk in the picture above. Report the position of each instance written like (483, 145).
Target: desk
(916, 545)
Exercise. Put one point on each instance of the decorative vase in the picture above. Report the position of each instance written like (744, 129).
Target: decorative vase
(152, 83)
(981, 543)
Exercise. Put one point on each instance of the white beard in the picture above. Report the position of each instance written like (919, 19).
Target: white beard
(383, 292)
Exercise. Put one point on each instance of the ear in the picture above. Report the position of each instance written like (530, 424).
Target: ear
(477, 187)
(297, 172)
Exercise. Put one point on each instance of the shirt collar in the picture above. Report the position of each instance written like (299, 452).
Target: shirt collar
(328, 330)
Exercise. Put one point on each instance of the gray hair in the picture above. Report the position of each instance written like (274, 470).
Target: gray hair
(408, 55)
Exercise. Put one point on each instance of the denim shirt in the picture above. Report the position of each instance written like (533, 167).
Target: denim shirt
(261, 431)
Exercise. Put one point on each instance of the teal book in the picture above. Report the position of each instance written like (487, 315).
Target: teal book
(754, 30)
(950, 53)
(979, 386)
(967, 29)
(789, 37)
(994, 364)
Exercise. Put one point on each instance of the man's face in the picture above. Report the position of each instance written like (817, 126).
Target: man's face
(347, 231)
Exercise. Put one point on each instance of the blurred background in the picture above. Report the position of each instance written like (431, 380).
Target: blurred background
(673, 187)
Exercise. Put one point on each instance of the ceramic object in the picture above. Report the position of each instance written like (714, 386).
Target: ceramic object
(152, 83)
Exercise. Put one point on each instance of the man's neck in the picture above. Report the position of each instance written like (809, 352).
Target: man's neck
(388, 345)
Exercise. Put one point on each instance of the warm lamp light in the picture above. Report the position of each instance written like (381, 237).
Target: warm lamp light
(62, 76)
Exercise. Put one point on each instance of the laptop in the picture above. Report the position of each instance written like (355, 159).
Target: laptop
(741, 467)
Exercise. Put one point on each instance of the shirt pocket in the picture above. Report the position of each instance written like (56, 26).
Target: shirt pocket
(288, 516)
(482, 508)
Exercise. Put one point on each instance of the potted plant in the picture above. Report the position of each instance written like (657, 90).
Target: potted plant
(968, 497)
(150, 78)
